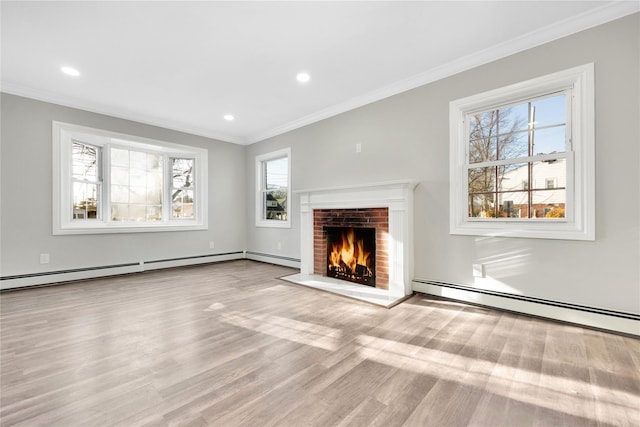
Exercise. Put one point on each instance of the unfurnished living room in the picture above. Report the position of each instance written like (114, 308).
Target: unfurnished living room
(315, 213)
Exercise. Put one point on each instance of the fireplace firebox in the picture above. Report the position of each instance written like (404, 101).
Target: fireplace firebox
(351, 254)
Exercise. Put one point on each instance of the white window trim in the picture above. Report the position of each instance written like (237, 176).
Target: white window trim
(260, 221)
(580, 225)
(65, 133)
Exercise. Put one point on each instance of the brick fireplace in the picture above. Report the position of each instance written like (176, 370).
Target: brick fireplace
(359, 218)
(386, 206)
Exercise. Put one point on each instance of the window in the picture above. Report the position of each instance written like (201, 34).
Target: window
(87, 185)
(182, 188)
(522, 159)
(273, 184)
(107, 183)
(516, 144)
(135, 185)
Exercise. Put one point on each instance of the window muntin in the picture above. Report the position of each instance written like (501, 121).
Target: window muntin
(522, 159)
(273, 172)
(125, 184)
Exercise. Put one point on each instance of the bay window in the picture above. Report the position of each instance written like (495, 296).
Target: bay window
(105, 182)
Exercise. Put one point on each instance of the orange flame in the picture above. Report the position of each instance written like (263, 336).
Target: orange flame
(350, 252)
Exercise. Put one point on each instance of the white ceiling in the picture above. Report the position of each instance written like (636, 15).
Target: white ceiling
(184, 65)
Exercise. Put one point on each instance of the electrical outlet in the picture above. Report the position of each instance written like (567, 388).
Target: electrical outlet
(478, 270)
(211, 245)
(358, 148)
(279, 245)
(44, 258)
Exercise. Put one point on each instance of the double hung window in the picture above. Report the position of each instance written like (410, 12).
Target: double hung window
(86, 181)
(273, 189)
(515, 153)
(522, 159)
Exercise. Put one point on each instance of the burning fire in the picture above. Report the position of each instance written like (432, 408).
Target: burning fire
(351, 254)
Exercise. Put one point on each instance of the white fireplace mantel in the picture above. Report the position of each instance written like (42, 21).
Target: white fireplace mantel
(397, 196)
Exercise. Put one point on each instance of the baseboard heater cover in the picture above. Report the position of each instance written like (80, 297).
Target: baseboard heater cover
(50, 277)
(620, 321)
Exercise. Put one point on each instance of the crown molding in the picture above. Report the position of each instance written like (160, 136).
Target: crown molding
(95, 107)
(549, 33)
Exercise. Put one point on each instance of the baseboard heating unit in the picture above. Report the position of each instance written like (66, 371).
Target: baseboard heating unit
(620, 321)
(50, 277)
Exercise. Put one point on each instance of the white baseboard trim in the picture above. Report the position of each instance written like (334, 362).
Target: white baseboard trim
(48, 278)
(182, 262)
(627, 323)
(274, 259)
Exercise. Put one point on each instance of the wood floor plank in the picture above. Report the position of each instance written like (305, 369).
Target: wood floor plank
(230, 344)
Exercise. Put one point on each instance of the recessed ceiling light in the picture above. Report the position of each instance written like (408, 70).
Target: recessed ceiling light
(70, 71)
(229, 117)
(303, 77)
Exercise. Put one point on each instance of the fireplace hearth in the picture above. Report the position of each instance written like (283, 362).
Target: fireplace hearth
(351, 254)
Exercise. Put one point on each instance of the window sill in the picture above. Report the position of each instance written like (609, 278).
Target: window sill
(127, 228)
(543, 229)
(273, 224)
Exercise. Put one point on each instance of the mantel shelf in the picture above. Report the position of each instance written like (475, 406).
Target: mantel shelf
(404, 183)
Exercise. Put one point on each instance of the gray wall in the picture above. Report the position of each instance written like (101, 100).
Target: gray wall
(26, 229)
(406, 137)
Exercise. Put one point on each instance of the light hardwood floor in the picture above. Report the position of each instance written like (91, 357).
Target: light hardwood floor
(230, 344)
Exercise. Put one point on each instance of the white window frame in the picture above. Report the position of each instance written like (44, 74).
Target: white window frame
(580, 221)
(63, 136)
(260, 161)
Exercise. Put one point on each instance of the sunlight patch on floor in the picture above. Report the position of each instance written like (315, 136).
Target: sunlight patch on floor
(289, 329)
(558, 393)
